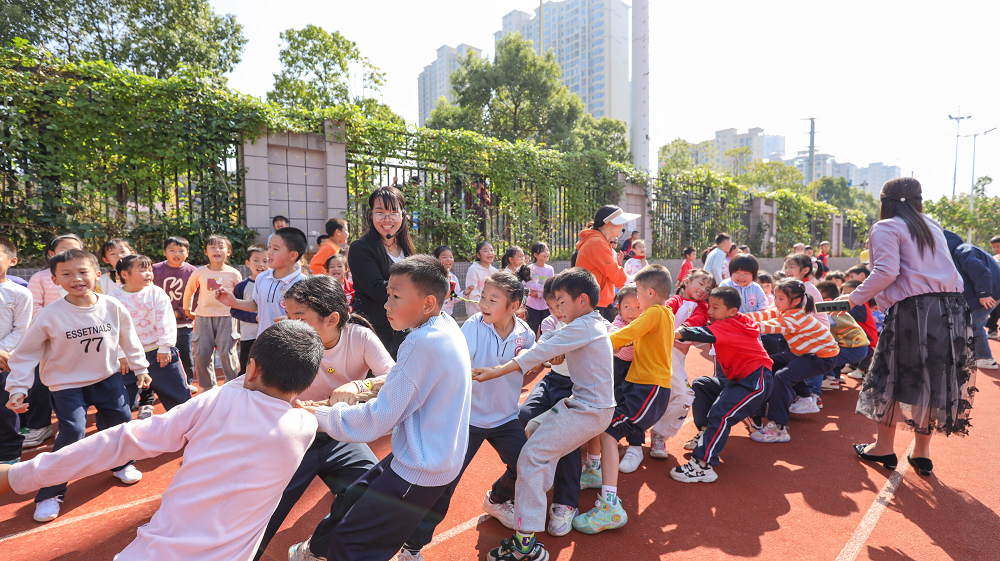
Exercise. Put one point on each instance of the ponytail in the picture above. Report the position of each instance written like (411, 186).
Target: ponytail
(793, 288)
(360, 320)
(809, 305)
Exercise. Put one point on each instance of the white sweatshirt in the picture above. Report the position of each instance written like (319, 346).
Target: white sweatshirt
(75, 347)
(15, 314)
(232, 475)
(152, 316)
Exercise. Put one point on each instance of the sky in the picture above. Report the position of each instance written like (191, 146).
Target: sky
(880, 77)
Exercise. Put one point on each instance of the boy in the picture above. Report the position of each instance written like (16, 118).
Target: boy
(644, 393)
(207, 512)
(991, 325)
(172, 276)
(425, 401)
(849, 336)
(982, 290)
(715, 262)
(574, 420)
(857, 273)
(257, 263)
(76, 340)
(742, 276)
(719, 404)
(277, 223)
(112, 250)
(267, 300)
(15, 315)
(336, 230)
(690, 254)
(215, 328)
(824, 253)
(336, 267)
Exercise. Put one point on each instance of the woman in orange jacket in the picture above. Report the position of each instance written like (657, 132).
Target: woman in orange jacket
(594, 253)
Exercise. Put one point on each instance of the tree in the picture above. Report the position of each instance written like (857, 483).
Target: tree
(152, 37)
(954, 215)
(771, 176)
(317, 70)
(605, 134)
(739, 160)
(518, 96)
(675, 157)
(836, 191)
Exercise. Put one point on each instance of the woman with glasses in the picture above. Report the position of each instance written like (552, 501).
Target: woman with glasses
(387, 241)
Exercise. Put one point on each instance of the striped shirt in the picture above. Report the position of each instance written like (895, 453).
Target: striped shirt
(805, 335)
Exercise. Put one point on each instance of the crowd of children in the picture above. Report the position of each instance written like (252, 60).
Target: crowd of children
(304, 377)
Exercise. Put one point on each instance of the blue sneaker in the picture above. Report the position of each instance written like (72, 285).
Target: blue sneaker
(604, 516)
(591, 478)
(11, 462)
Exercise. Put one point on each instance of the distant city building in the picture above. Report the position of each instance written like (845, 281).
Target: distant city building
(823, 165)
(591, 42)
(868, 178)
(762, 145)
(872, 178)
(774, 144)
(435, 81)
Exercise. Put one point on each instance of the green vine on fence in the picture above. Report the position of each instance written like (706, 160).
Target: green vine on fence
(801, 218)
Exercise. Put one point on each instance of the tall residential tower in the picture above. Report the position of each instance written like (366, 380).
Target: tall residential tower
(435, 81)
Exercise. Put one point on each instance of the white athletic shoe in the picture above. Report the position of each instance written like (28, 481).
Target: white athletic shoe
(47, 510)
(35, 437)
(632, 459)
(830, 384)
(694, 472)
(128, 475)
(993, 335)
(804, 405)
(658, 446)
(846, 369)
(857, 374)
(693, 443)
(300, 552)
(560, 519)
(145, 412)
(405, 555)
(771, 433)
(504, 512)
(987, 364)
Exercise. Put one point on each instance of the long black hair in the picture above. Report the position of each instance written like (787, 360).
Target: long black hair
(324, 296)
(509, 254)
(903, 197)
(392, 200)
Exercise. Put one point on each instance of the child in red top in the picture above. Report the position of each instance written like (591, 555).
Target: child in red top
(690, 254)
(719, 405)
(336, 267)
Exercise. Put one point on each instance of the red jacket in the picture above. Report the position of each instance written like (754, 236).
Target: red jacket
(698, 316)
(737, 345)
(685, 269)
(595, 254)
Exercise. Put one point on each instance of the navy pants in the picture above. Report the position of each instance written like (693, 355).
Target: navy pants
(848, 355)
(108, 396)
(719, 404)
(621, 367)
(168, 382)
(507, 440)
(789, 370)
(10, 424)
(186, 350)
(638, 409)
(39, 413)
(378, 512)
(864, 363)
(546, 393)
(338, 464)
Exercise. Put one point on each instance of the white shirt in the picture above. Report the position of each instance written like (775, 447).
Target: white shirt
(269, 294)
(15, 314)
(494, 402)
(152, 315)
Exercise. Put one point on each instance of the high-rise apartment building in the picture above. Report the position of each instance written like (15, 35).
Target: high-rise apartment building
(761, 144)
(774, 145)
(872, 178)
(435, 81)
(591, 42)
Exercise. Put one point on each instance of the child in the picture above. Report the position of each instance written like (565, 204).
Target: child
(256, 262)
(215, 327)
(336, 268)
(476, 276)
(715, 262)
(799, 266)
(742, 273)
(541, 272)
(76, 339)
(153, 319)
(574, 420)
(444, 254)
(733, 252)
(337, 234)
(112, 250)
(277, 223)
(644, 394)
(172, 276)
(719, 404)
(857, 273)
(44, 291)
(627, 304)
(425, 401)
(744, 249)
(636, 262)
(836, 277)
(689, 256)
(494, 336)
(766, 282)
(206, 513)
(15, 315)
(862, 314)
(812, 351)
(849, 336)
(512, 259)
(821, 260)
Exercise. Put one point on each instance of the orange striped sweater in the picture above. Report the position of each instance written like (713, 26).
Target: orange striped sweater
(804, 333)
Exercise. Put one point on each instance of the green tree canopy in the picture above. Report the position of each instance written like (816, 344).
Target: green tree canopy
(605, 134)
(151, 37)
(836, 191)
(954, 214)
(771, 176)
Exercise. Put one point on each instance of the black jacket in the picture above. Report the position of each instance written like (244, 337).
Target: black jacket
(979, 271)
(369, 264)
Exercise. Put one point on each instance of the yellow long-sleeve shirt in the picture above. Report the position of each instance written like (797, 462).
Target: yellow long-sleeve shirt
(653, 334)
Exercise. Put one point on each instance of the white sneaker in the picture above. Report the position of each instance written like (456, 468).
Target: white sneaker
(993, 335)
(47, 510)
(35, 437)
(658, 446)
(693, 443)
(830, 384)
(694, 472)
(128, 475)
(404, 555)
(504, 512)
(846, 369)
(804, 405)
(632, 459)
(145, 412)
(300, 552)
(987, 364)
(560, 519)
(771, 433)
(857, 374)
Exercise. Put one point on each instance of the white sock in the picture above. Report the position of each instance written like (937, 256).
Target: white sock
(609, 494)
(636, 449)
(595, 461)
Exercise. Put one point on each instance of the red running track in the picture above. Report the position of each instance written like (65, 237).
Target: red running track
(810, 499)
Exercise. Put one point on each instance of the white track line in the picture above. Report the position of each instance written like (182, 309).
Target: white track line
(867, 524)
(467, 525)
(67, 521)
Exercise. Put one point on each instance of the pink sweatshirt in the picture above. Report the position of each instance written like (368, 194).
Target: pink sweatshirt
(358, 351)
(43, 291)
(233, 473)
(152, 316)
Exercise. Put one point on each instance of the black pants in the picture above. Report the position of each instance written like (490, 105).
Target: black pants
(245, 345)
(546, 393)
(536, 317)
(621, 371)
(10, 439)
(186, 350)
(991, 324)
(338, 464)
(507, 440)
(39, 413)
(168, 383)
(391, 339)
(378, 512)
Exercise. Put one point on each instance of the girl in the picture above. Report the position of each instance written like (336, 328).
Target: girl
(495, 335)
(800, 266)
(812, 351)
(445, 255)
(336, 268)
(512, 259)
(627, 303)
(350, 350)
(733, 252)
(476, 277)
(540, 272)
(112, 250)
(766, 282)
(637, 261)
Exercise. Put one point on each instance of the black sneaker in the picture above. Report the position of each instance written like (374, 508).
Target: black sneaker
(508, 551)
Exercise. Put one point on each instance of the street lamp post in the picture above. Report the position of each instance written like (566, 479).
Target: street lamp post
(972, 192)
(958, 126)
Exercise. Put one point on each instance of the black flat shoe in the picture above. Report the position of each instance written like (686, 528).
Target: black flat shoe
(924, 466)
(888, 461)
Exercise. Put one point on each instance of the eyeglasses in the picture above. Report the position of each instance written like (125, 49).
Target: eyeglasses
(393, 216)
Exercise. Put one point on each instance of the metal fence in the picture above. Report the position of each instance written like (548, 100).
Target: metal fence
(691, 213)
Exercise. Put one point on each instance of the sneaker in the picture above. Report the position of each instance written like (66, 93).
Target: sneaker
(754, 424)
(987, 364)
(693, 443)
(591, 478)
(658, 448)
(819, 402)
(403, 555)
(694, 472)
(830, 384)
(856, 374)
(145, 412)
(128, 475)
(300, 552)
(993, 335)
(846, 369)
(11, 462)
(804, 405)
(508, 551)
(631, 461)
(47, 510)
(771, 433)
(504, 512)
(604, 516)
(560, 519)
(35, 437)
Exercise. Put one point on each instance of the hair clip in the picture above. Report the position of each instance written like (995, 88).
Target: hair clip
(902, 199)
